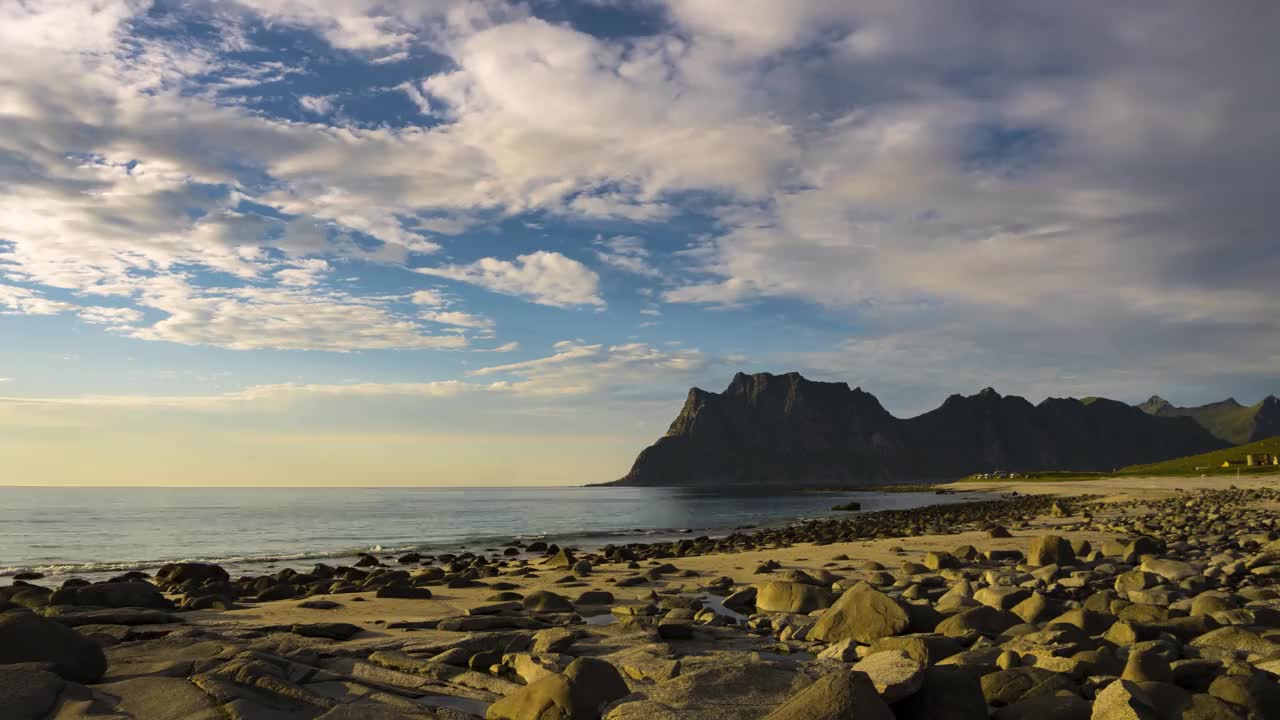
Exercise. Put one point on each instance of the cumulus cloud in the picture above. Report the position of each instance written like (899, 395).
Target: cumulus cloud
(546, 278)
(1047, 164)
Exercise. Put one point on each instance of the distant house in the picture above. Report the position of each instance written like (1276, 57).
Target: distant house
(1257, 459)
(1232, 463)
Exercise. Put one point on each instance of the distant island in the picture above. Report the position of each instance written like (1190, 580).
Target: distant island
(786, 430)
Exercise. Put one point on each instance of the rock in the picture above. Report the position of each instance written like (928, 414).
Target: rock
(862, 614)
(735, 687)
(1005, 687)
(332, 631)
(161, 698)
(319, 605)
(1046, 707)
(1001, 597)
(894, 674)
(1147, 666)
(544, 601)
(926, 649)
(742, 599)
(948, 693)
(25, 637)
(594, 597)
(791, 597)
(1125, 700)
(981, 620)
(27, 693)
(578, 694)
(562, 560)
(1050, 550)
(837, 696)
(200, 573)
(1170, 570)
(403, 592)
(671, 629)
(844, 651)
(551, 640)
(1237, 639)
(113, 595)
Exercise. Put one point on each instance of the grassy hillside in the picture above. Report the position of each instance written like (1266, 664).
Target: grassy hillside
(1197, 464)
(1209, 463)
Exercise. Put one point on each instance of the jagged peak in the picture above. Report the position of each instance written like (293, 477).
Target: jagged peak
(746, 381)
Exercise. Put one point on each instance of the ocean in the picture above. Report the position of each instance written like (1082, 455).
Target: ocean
(95, 532)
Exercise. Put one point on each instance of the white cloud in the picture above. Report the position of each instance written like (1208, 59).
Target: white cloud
(546, 278)
(626, 253)
(109, 315)
(457, 319)
(317, 104)
(579, 368)
(281, 319)
(432, 298)
(16, 300)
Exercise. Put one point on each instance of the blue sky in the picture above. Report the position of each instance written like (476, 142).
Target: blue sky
(294, 238)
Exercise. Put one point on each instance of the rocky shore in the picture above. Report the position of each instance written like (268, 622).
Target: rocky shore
(1160, 605)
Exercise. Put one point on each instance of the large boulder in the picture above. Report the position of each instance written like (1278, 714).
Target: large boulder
(837, 696)
(894, 673)
(25, 637)
(949, 693)
(791, 597)
(1051, 550)
(863, 614)
(179, 573)
(27, 693)
(113, 595)
(545, 601)
(579, 693)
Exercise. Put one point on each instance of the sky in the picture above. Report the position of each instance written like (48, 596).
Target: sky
(488, 242)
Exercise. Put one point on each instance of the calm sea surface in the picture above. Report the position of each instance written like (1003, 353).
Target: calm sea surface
(91, 531)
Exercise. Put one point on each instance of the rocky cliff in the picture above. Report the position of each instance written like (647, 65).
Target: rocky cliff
(1227, 420)
(786, 430)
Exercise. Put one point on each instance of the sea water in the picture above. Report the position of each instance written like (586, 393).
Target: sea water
(94, 532)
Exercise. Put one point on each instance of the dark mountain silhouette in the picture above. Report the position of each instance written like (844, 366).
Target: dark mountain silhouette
(786, 430)
(1227, 420)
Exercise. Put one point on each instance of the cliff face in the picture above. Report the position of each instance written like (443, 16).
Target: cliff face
(786, 430)
(1227, 420)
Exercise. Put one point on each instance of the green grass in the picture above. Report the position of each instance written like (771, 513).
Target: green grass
(1194, 465)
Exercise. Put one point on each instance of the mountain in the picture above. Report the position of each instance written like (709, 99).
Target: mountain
(1227, 420)
(786, 430)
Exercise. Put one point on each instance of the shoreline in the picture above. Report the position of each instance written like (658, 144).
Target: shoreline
(55, 572)
(978, 604)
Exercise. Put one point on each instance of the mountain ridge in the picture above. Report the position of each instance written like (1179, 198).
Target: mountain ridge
(766, 429)
(1226, 420)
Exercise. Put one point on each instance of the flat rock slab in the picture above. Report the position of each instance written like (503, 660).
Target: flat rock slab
(161, 698)
(737, 689)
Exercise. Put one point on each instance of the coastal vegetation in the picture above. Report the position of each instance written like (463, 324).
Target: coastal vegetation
(1229, 462)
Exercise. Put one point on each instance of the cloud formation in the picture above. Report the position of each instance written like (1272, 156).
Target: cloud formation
(1091, 186)
(546, 278)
